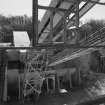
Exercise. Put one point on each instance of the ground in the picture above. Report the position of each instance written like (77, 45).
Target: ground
(91, 89)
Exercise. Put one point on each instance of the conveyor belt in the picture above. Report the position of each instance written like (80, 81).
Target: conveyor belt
(94, 39)
(89, 39)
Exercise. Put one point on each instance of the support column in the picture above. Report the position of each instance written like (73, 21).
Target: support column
(19, 97)
(5, 86)
(70, 80)
(3, 61)
(79, 77)
(35, 23)
(58, 82)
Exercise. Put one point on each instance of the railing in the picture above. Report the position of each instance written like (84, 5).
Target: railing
(5, 37)
(90, 39)
(20, 20)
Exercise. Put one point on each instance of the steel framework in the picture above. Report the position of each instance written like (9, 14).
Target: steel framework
(53, 34)
(35, 38)
(52, 10)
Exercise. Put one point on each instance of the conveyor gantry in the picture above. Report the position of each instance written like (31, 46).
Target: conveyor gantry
(55, 22)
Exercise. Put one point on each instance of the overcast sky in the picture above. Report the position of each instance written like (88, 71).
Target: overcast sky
(21, 7)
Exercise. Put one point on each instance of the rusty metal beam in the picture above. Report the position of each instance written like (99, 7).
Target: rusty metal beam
(64, 45)
(52, 8)
(53, 46)
(96, 2)
(70, 1)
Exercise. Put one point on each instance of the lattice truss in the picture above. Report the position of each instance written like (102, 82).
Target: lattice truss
(36, 64)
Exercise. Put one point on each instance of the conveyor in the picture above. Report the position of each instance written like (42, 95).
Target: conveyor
(94, 39)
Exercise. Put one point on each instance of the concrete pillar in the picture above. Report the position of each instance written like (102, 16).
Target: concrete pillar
(5, 86)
